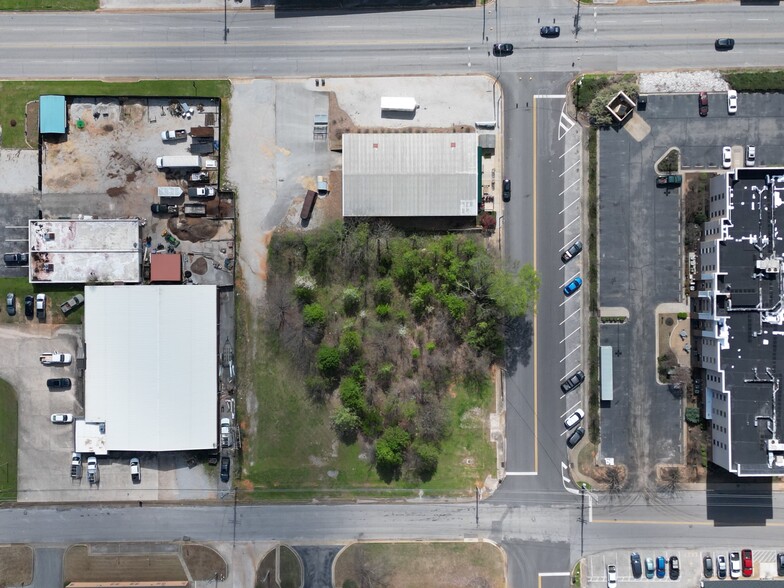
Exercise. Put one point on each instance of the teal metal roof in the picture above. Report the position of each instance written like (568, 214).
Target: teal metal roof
(51, 114)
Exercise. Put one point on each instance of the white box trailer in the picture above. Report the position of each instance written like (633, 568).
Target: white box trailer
(403, 104)
(169, 191)
(179, 162)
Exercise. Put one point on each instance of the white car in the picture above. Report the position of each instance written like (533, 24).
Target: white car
(732, 101)
(136, 470)
(726, 157)
(574, 418)
(225, 429)
(751, 155)
(734, 565)
(612, 580)
(61, 417)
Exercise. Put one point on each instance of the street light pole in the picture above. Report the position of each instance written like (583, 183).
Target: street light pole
(225, 23)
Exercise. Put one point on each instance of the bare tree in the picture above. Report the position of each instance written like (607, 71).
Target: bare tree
(671, 481)
(372, 574)
(613, 479)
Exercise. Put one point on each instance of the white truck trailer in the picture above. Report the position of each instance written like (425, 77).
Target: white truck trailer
(179, 162)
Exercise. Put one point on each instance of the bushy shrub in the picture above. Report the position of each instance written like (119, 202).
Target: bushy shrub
(692, 415)
(351, 300)
(385, 373)
(456, 306)
(683, 316)
(391, 448)
(350, 343)
(314, 315)
(328, 361)
(382, 293)
(304, 288)
(382, 311)
(430, 346)
(426, 460)
(352, 396)
(345, 422)
(415, 353)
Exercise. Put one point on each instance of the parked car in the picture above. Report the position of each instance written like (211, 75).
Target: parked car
(721, 566)
(612, 577)
(58, 383)
(10, 303)
(707, 566)
(550, 31)
(734, 565)
(675, 568)
(572, 421)
(158, 208)
(732, 101)
(573, 381)
(506, 192)
(661, 563)
(724, 44)
(636, 564)
(751, 155)
(29, 306)
(573, 251)
(703, 102)
(780, 563)
(649, 568)
(61, 418)
(15, 258)
(572, 286)
(40, 306)
(748, 564)
(669, 180)
(726, 157)
(503, 49)
(575, 437)
(225, 468)
(136, 470)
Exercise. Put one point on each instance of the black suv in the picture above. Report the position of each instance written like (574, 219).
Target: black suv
(506, 192)
(636, 565)
(574, 380)
(575, 437)
(503, 49)
(15, 258)
(58, 383)
(225, 469)
(724, 44)
(551, 31)
(29, 306)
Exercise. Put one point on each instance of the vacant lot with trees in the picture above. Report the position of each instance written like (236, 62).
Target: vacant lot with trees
(392, 337)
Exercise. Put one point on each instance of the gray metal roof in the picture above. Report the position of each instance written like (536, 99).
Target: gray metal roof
(410, 174)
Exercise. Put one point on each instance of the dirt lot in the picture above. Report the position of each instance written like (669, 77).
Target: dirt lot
(94, 563)
(398, 565)
(204, 563)
(16, 565)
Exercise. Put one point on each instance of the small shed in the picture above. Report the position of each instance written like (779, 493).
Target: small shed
(51, 115)
(166, 267)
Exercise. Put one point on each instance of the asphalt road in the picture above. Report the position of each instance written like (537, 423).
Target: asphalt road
(531, 515)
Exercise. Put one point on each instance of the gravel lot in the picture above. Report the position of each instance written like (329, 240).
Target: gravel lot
(685, 81)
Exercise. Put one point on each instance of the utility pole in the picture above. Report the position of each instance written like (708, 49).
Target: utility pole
(577, 19)
(226, 26)
(477, 505)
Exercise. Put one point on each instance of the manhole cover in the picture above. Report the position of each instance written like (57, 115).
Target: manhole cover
(669, 321)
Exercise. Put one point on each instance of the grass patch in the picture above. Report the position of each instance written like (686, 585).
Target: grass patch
(756, 81)
(16, 565)
(436, 565)
(79, 565)
(576, 573)
(289, 569)
(59, 5)
(16, 94)
(57, 294)
(204, 563)
(8, 441)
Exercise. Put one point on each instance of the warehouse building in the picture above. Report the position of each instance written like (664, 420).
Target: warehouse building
(151, 381)
(739, 311)
(411, 175)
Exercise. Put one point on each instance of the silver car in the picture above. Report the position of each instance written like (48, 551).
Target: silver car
(10, 303)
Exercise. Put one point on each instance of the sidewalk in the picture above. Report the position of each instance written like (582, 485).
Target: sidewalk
(155, 5)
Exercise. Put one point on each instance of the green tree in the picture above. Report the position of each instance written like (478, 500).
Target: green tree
(350, 343)
(692, 415)
(351, 300)
(345, 422)
(304, 288)
(382, 311)
(314, 315)
(515, 294)
(391, 448)
(328, 361)
(352, 396)
(382, 292)
(427, 459)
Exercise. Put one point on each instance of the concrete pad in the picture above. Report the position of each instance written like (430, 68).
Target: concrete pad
(19, 171)
(637, 127)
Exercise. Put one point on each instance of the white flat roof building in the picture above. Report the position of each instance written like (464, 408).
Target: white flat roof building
(82, 251)
(151, 379)
(410, 174)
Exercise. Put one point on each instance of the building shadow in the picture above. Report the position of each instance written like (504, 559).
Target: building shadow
(303, 8)
(733, 501)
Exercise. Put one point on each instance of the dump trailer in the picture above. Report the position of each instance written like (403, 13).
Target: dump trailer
(179, 162)
(203, 132)
(194, 209)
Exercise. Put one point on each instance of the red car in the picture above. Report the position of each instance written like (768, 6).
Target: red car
(748, 565)
(703, 104)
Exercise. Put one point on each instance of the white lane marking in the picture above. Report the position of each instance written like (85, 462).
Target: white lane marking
(522, 473)
(570, 316)
(570, 186)
(567, 226)
(570, 148)
(565, 123)
(575, 164)
(570, 410)
(570, 205)
(570, 334)
(568, 354)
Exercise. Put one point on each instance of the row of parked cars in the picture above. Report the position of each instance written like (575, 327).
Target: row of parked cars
(32, 306)
(578, 377)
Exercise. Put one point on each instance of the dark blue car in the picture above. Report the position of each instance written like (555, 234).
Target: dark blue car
(573, 286)
(660, 565)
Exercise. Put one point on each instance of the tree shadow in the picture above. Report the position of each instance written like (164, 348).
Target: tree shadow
(518, 336)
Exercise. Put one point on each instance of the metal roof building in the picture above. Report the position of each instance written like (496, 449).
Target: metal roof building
(51, 114)
(151, 377)
(410, 174)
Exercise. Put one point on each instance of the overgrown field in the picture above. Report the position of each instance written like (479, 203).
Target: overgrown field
(375, 359)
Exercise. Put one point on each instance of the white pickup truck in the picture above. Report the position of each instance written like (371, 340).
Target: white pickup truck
(55, 358)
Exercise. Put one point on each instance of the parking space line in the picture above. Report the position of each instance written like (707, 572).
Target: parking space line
(567, 226)
(570, 334)
(576, 163)
(570, 410)
(574, 275)
(568, 150)
(568, 354)
(570, 316)
(577, 181)
(570, 205)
